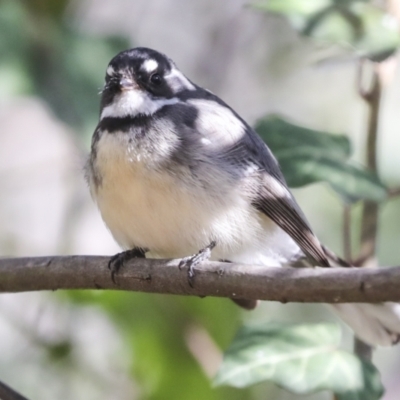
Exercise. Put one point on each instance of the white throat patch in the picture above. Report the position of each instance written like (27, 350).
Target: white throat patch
(134, 102)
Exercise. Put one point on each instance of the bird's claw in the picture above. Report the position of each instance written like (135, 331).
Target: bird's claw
(117, 261)
(192, 261)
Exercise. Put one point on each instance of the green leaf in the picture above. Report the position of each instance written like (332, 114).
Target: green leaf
(297, 11)
(307, 156)
(281, 135)
(354, 24)
(300, 168)
(381, 34)
(301, 358)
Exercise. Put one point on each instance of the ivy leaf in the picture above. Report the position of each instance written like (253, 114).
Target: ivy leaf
(301, 358)
(281, 135)
(307, 156)
(352, 183)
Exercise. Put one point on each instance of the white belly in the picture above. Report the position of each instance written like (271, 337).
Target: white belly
(157, 211)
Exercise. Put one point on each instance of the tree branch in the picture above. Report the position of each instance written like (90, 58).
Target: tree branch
(6, 393)
(370, 213)
(326, 285)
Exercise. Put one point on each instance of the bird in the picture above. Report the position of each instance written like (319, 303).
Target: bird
(177, 173)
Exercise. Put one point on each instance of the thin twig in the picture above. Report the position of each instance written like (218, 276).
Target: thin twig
(243, 281)
(347, 233)
(369, 222)
(362, 91)
(369, 226)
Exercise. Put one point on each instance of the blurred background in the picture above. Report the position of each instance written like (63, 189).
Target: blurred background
(125, 346)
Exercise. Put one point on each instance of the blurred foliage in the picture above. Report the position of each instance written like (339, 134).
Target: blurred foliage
(42, 54)
(302, 358)
(156, 330)
(59, 351)
(47, 8)
(306, 358)
(355, 24)
(307, 156)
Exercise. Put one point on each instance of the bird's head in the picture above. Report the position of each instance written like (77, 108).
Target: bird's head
(139, 82)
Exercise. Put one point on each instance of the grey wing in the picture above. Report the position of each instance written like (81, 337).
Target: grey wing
(274, 199)
(284, 212)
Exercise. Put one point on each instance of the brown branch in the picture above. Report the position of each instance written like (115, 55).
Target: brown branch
(326, 285)
(369, 225)
(370, 212)
(6, 393)
(347, 233)
(393, 193)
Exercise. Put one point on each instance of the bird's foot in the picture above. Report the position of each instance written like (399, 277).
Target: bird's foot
(117, 261)
(192, 261)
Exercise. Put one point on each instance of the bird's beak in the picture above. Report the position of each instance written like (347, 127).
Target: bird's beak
(126, 83)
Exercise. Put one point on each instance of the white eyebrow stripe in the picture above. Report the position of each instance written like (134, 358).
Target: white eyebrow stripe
(150, 65)
(178, 81)
(110, 70)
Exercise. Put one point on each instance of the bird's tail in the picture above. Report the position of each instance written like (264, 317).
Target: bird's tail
(375, 324)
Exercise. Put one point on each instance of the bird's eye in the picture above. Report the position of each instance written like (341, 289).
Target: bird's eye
(156, 79)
